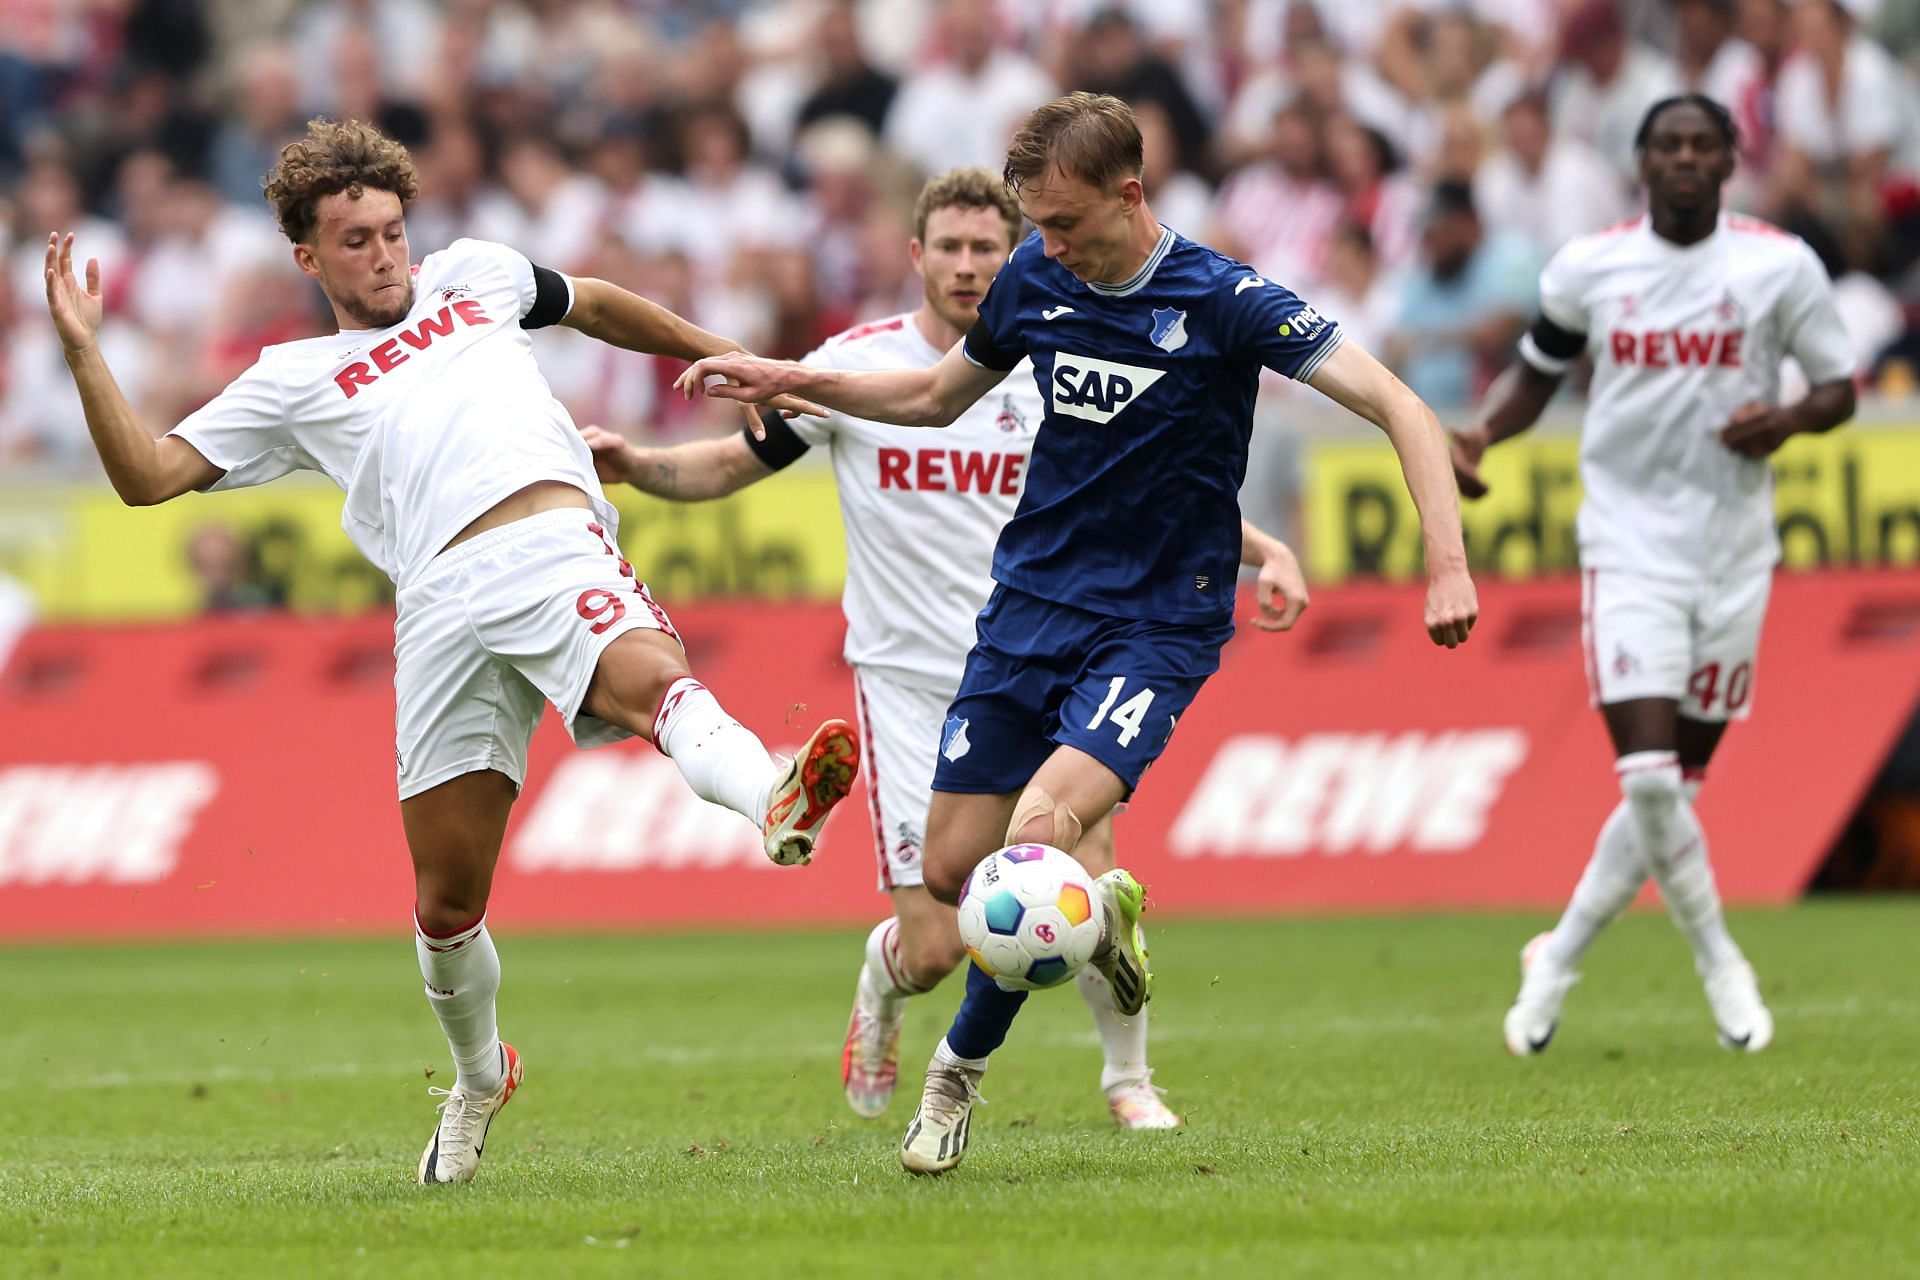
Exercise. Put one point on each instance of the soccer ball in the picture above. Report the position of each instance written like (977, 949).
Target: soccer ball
(1028, 917)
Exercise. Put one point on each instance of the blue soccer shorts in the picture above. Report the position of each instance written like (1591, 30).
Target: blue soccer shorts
(1043, 675)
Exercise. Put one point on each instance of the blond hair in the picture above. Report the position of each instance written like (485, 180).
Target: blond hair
(1089, 136)
(970, 187)
(335, 156)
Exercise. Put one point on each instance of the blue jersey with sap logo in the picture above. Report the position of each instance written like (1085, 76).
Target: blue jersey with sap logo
(1132, 501)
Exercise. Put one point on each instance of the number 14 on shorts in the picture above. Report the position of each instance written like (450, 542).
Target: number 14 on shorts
(1127, 717)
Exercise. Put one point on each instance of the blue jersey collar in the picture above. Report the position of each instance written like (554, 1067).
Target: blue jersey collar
(1138, 280)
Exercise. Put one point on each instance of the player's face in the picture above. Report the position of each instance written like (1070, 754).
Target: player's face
(1686, 160)
(1083, 228)
(358, 253)
(962, 252)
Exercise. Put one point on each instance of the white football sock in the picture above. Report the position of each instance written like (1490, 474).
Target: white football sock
(1607, 887)
(1123, 1040)
(885, 975)
(462, 973)
(941, 1053)
(1677, 854)
(720, 758)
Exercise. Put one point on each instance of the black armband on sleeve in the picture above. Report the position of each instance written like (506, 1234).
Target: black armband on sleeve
(979, 347)
(552, 299)
(783, 445)
(1549, 348)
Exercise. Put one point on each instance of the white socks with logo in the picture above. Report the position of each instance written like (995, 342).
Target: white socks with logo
(721, 759)
(462, 973)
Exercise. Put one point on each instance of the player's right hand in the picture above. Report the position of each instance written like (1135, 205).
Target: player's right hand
(1452, 607)
(1467, 448)
(76, 312)
(748, 378)
(613, 457)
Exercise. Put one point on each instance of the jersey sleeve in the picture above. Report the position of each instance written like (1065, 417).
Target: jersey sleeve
(994, 341)
(1270, 324)
(546, 296)
(244, 431)
(1559, 333)
(1813, 331)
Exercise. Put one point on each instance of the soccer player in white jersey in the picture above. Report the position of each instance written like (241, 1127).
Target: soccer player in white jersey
(1687, 313)
(469, 485)
(921, 520)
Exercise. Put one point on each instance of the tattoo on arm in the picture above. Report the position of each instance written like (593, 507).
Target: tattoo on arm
(666, 479)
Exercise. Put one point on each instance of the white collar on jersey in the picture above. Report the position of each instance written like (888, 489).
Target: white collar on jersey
(1138, 280)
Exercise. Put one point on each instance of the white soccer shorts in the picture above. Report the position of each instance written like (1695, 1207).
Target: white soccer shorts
(900, 724)
(1694, 642)
(498, 627)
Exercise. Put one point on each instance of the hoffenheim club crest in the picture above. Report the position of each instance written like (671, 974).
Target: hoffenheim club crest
(1169, 328)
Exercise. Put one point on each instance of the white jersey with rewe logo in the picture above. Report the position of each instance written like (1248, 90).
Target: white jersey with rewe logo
(426, 424)
(1681, 337)
(922, 507)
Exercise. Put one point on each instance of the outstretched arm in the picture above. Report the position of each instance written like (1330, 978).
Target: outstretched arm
(622, 318)
(1281, 589)
(142, 469)
(1359, 383)
(690, 472)
(906, 397)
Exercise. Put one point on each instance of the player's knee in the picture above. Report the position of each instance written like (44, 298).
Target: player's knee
(931, 955)
(945, 877)
(1651, 783)
(1038, 818)
(443, 911)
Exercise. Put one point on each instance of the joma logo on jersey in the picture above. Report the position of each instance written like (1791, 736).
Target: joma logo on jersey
(1083, 387)
(387, 356)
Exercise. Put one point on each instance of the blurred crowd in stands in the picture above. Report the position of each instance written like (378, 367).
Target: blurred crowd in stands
(1407, 165)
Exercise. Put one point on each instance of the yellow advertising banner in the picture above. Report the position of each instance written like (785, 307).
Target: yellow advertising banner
(1848, 498)
(85, 556)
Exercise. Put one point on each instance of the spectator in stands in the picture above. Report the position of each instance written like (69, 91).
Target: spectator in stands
(734, 204)
(1374, 191)
(1464, 306)
(541, 203)
(1606, 83)
(1112, 56)
(220, 566)
(848, 84)
(1356, 292)
(265, 112)
(962, 106)
(1548, 188)
(1279, 213)
(1179, 197)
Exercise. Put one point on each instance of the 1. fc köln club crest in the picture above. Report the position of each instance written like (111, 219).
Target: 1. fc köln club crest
(1169, 328)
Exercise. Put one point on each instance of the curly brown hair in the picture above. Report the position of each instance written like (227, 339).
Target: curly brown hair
(335, 156)
(971, 187)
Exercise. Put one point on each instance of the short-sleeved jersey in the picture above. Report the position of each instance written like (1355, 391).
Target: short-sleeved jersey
(1132, 501)
(922, 509)
(426, 424)
(1681, 336)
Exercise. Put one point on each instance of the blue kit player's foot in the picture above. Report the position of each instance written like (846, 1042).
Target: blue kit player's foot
(1530, 1023)
(937, 1135)
(461, 1135)
(818, 777)
(1122, 956)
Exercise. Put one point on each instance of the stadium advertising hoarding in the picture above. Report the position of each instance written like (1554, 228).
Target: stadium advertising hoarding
(1848, 499)
(234, 775)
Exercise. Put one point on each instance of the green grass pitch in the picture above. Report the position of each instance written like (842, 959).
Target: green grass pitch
(257, 1110)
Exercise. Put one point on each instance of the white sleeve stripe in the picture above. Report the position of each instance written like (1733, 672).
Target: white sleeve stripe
(1530, 352)
(968, 357)
(570, 295)
(1319, 355)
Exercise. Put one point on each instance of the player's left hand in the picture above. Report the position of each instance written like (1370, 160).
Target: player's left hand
(613, 456)
(749, 379)
(1755, 430)
(1452, 607)
(1280, 590)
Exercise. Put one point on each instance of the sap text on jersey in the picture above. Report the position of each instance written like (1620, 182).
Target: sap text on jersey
(1097, 390)
(955, 470)
(1677, 348)
(388, 356)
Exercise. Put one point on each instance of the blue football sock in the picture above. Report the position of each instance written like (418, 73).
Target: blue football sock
(985, 1016)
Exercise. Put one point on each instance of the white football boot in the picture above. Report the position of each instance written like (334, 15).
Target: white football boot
(1742, 1018)
(1137, 1104)
(937, 1134)
(816, 779)
(1536, 1010)
(870, 1060)
(461, 1135)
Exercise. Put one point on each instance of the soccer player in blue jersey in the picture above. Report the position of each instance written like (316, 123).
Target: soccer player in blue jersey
(1114, 579)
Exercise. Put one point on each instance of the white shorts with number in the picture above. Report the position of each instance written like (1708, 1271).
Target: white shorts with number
(1693, 642)
(498, 627)
(900, 724)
